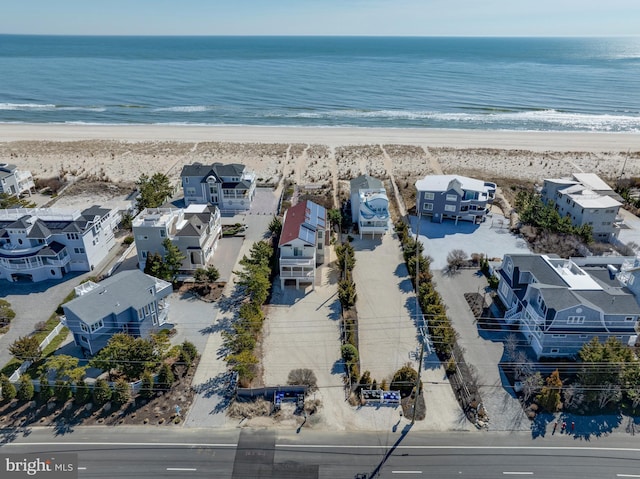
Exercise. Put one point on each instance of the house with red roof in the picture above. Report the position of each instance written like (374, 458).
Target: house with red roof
(303, 243)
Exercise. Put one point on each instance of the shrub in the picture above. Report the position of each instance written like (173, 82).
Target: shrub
(404, 380)
(83, 392)
(128, 240)
(101, 392)
(190, 348)
(26, 390)
(26, 348)
(146, 390)
(165, 378)
(349, 353)
(456, 259)
(303, 377)
(62, 391)
(384, 385)
(8, 389)
(347, 294)
(46, 391)
(121, 392)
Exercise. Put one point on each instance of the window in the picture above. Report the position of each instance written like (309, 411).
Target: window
(427, 207)
(452, 197)
(154, 319)
(84, 339)
(186, 180)
(450, 208)
(142, 237)
(84, 327)
(140, 313)
(575, 320)
(72, 236)
(146, 310)
(555, 350)
(429, 196)
(630, 318)
(191, 191)
(558, 336)
(584, 336)
(97, 325)
(504, 289)
(163, 233)
(78, 250)
(144, 254)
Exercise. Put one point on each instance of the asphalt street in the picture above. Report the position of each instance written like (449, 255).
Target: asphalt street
(244, 453)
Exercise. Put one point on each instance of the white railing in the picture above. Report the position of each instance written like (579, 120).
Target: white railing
(45, 342)
(296, 261)
(296, 274)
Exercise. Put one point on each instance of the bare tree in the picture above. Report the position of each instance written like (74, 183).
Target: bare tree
(511, 346)
(523, 367)
(609, 393)
(456, 259)
(531, 385)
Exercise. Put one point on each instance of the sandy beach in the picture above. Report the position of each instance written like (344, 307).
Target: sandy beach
(120, 153)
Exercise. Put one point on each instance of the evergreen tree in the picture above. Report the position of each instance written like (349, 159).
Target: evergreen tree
(8, 389)
(147, 390)
(153, 191)
(121, 392)
(165, 378)
(83, 392)
(26, 390)
(549, 397)
(101, 392)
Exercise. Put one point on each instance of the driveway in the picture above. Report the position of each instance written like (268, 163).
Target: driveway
(491, 238)
(483, 349)
(388, 337)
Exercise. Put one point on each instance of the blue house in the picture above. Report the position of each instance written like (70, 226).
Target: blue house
(129, 302)
(559, 305)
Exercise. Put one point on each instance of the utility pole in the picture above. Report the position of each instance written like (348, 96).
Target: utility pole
(418, 257)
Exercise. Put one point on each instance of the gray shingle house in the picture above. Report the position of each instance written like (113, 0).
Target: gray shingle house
(454, 197)
(129, 302)
(559, 305)
(229, 187)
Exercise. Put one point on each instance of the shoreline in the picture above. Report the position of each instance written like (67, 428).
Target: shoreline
(537, 141)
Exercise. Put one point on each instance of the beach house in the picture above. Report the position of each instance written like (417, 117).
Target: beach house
(195, 230)
(45, 243)
(559, 305)
(454, 197)
(15, 182)
(586, 200)
(128, 302)
(303, 243)
(369, 205)
(231, 187)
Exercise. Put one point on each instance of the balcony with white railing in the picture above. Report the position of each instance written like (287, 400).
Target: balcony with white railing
(297, 274)
(512, 315)
(298, 261)
(33, 262)
(534, 314)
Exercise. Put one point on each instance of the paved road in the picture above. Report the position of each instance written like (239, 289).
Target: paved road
(238, 454)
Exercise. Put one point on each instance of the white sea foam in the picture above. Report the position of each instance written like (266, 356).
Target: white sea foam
(185, 109)
(25, 106)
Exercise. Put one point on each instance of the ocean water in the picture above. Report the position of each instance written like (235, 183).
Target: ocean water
(580, 84)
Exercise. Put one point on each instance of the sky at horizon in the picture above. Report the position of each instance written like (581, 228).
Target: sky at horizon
(324, 17)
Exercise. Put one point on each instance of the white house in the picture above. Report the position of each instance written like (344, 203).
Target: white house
(303, 243)
(369, 205)
(46, 243)
(15, 182)
(586, 200)
(195, 230)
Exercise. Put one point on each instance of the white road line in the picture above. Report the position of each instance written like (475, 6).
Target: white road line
(82, 468)
(406, 472)
(517, 473)
(627, 475)
(186, 469)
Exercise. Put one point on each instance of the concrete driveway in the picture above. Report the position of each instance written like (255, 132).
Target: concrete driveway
(483, 349)
(388, 337)
(491, 238)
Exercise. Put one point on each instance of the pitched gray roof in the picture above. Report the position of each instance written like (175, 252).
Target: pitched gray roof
(20, 223)
(611, 303)
(216, 169)
(129, 289)
(559, 298)
(93, 211)
(364, 182)
(538, 267)
(51, 249)
(39, 230)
